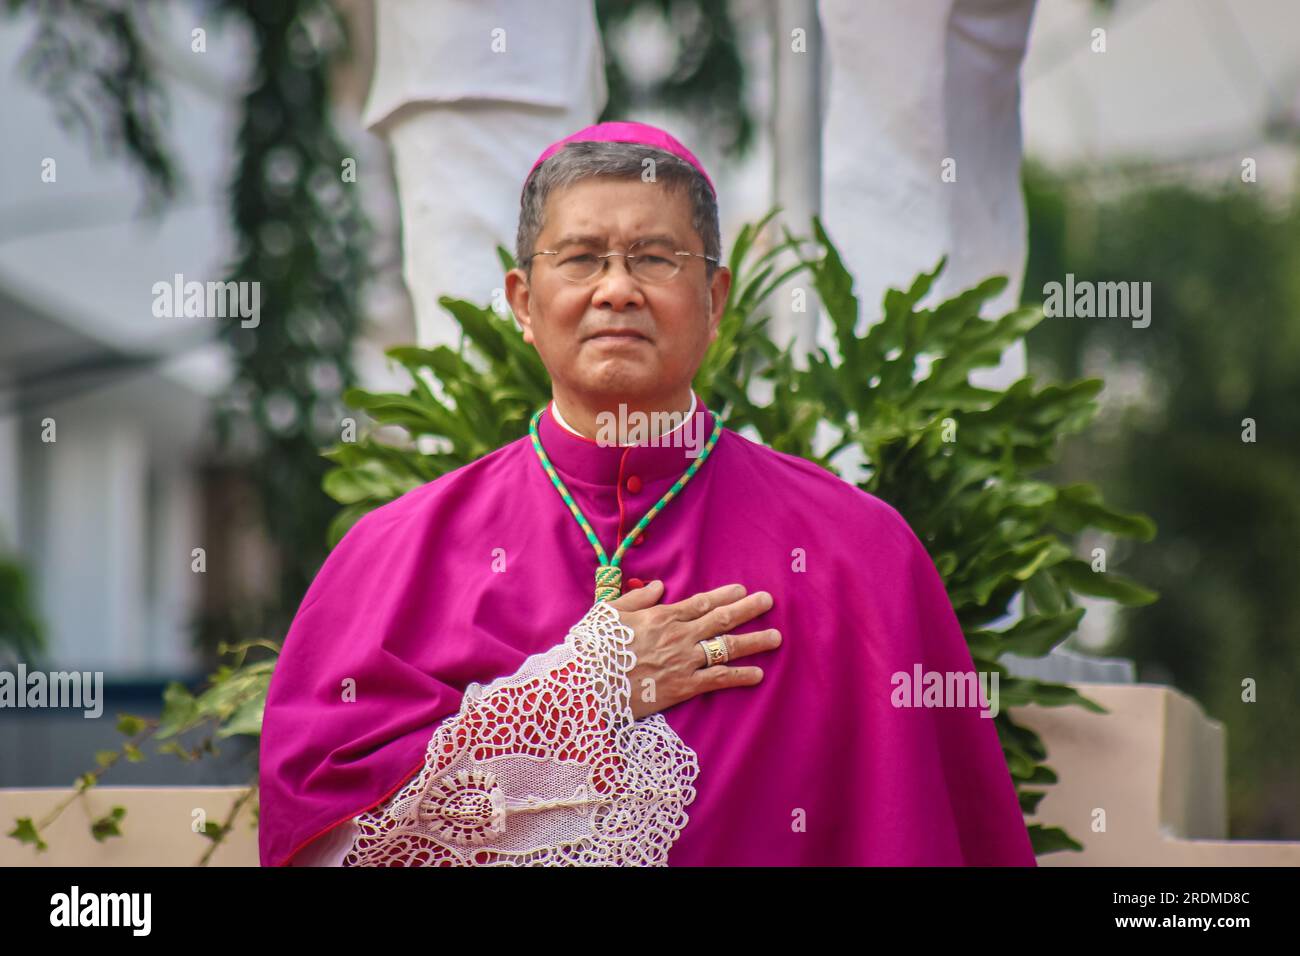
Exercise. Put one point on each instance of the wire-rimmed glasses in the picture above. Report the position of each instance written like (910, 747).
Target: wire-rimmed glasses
(651, 260)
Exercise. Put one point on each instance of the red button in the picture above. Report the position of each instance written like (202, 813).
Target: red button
(634, 484)
(639, 539)
(634, 583)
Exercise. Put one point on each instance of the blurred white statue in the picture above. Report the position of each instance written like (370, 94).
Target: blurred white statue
(921, 147)
(467, 95)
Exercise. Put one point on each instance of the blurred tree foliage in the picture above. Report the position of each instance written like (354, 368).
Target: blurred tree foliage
(1223, 346)
(21, 632)
(301, 233)
(706, 79)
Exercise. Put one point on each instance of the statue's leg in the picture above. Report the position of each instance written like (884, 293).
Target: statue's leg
(884, 141)
(985, 48)
(467, 96)
(459, 169)
(921, 146)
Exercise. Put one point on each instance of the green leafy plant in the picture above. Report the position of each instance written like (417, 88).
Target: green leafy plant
(231, 704)
(960, 463)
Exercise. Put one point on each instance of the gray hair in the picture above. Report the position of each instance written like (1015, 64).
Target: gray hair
(579, 161)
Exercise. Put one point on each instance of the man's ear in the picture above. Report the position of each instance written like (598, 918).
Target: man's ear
(520, 298)
(719, 288)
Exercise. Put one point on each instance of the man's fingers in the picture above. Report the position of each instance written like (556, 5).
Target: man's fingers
(730, 616)
(720, 676)
(640, 598)
(755, 642)
(698, 605)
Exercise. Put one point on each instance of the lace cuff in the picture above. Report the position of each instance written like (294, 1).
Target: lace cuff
(544, 767)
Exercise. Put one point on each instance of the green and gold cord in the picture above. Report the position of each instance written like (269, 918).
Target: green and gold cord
(609, 576)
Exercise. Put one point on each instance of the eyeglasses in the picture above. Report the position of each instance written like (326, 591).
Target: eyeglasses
(652, 261)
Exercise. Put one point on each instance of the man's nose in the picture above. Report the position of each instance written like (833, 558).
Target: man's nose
(616, 288)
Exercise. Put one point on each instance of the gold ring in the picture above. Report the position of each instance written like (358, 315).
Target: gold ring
(715, 651)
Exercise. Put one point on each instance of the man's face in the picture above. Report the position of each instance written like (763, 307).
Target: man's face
(569, 322)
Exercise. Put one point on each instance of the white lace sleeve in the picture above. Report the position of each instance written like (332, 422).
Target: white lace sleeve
(544, 767)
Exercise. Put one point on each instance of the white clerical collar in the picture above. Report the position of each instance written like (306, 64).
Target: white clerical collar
(555, 411)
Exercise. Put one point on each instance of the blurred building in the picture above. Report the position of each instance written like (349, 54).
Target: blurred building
(106, 517)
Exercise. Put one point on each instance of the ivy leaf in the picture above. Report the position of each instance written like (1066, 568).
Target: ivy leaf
(247, 719)
(130, 725)
(174, 747)
(180, 710)
(107, 825)
(26, 832)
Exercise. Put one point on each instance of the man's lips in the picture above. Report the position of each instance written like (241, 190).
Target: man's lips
(618, 333)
